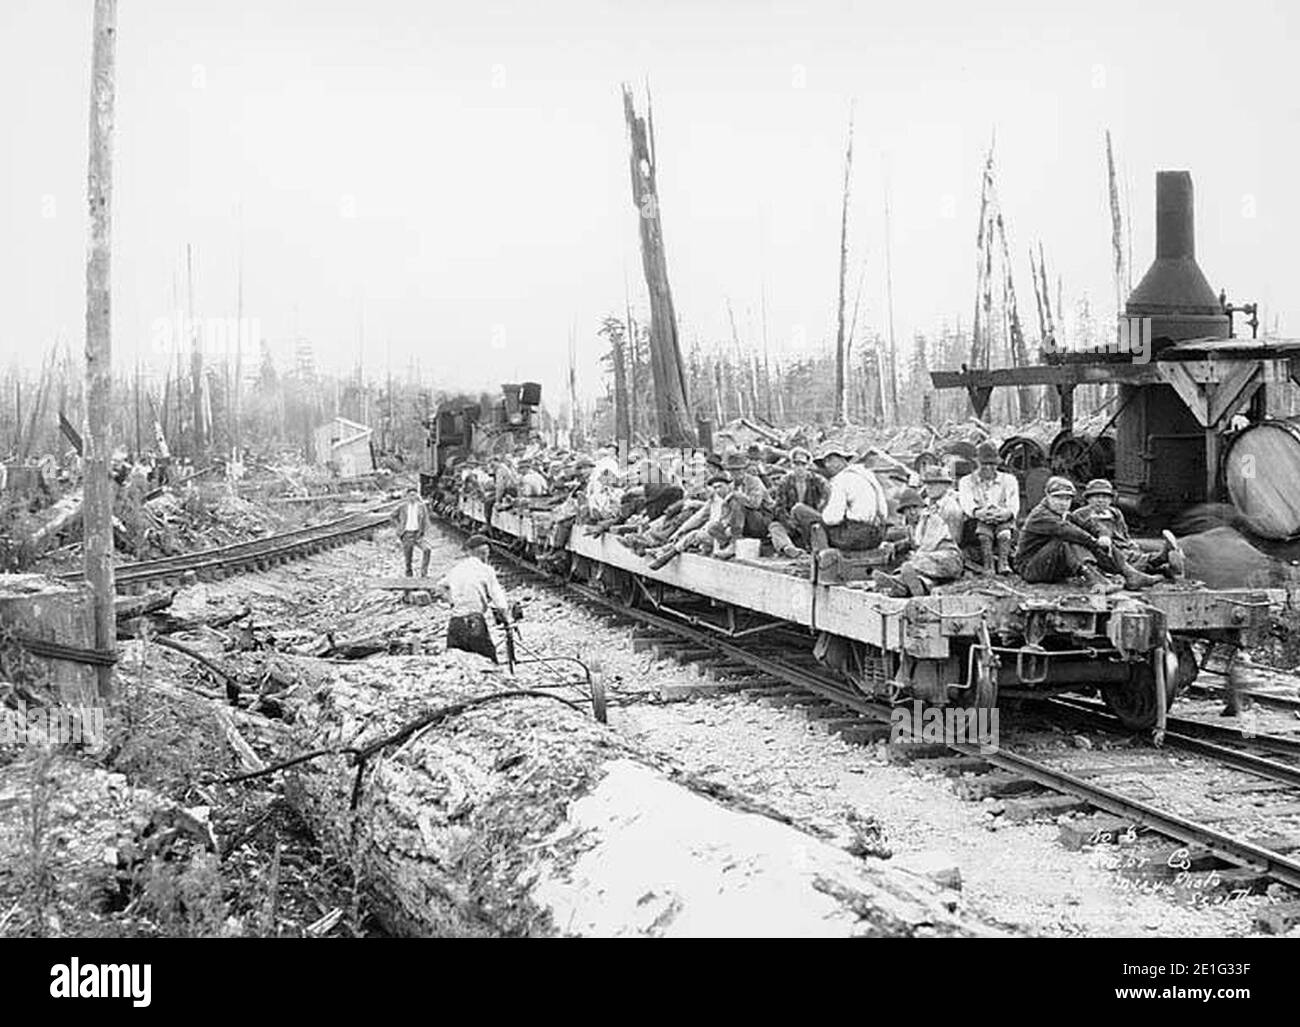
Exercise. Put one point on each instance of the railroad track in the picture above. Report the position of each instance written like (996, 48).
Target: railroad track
(257, 554)
(1241, 860)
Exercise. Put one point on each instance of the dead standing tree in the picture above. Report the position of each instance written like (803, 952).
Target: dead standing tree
(612, 328)
(98, 508)
(671, 404)
(841, 338)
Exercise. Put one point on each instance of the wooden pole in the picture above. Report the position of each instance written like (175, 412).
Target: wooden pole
(841, 340)
(98, 497)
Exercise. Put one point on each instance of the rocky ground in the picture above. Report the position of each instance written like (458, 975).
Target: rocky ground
(274, 879)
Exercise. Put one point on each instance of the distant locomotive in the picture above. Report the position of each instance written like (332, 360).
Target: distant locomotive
(1191, 424)
(457, 429)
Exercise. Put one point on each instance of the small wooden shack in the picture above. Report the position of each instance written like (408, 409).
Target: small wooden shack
(344, 447)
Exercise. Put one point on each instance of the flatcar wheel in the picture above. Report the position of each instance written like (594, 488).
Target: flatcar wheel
(1134, 702)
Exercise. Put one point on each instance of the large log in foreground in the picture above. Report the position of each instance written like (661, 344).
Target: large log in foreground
(523, 816)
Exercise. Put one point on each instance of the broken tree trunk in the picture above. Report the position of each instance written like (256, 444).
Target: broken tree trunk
(1019, 352)
(671, 404)
(521, 816)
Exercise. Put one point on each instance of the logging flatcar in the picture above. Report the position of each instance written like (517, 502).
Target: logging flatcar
(967, 644)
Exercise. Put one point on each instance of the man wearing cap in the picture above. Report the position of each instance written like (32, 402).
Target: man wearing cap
(411, 521)
(853, 519)
(801, 484)
(939, 496)
(706, 528)
(1054, 548)
(1104, 519)
(472, 588)
(933, 555)
(992, 499)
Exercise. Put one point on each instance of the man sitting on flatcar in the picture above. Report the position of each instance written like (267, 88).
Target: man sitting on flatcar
(749, 507)
(706, 530)
(937, 482)
(933, 556)
(801, 484)
(1103, 518)
(853, 519)
(532, 483)
(1054, 548)
(991, 498)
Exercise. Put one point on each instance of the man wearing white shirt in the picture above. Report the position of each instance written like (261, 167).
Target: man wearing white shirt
(992, 499)
(472, 588)
(853, 518)
(411, 520)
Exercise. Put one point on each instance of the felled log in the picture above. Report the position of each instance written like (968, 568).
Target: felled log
(130, 607)
(524, 817)
(62, 515)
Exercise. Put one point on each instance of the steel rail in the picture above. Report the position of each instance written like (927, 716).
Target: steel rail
(1232, 850)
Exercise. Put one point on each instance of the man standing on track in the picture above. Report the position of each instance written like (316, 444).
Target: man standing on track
(411, 520)
(472, 588)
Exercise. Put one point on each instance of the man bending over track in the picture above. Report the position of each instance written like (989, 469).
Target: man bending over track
(472, 588)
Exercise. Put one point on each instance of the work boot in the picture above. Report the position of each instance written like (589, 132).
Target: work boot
(915, 583)
(890, 585)
(1175, 558)
(727, 552)
(986, 555)
(1135, 579)
(1098, 581)
(664, 558)
(791, 552)
(1004, 554)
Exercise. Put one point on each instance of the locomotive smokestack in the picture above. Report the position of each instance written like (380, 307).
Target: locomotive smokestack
(1174, 292)
(1175, 216)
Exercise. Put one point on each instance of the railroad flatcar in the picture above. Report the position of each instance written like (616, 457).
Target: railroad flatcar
(968, 644)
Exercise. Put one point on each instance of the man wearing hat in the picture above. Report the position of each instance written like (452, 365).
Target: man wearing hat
(411, 520)
(472, 588)
(801, 484)
(992, 499)
(853, 519)
(1104, 519)
(940, 497)
(748, 511)
(933, 554)
(1054, 548)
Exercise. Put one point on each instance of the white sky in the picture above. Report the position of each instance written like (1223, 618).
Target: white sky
(481, 150)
